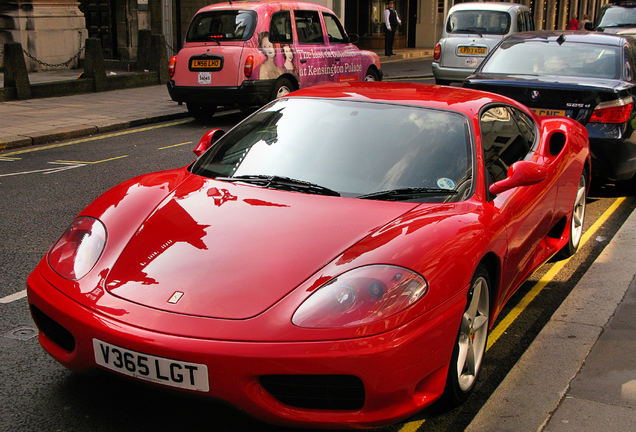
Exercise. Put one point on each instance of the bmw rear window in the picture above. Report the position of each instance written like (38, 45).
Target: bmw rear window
(552, 58)
(228, 25)
(478, 21)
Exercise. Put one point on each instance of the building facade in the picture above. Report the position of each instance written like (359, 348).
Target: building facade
(53, 31)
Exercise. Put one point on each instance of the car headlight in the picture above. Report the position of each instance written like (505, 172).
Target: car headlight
(361, 296)
(79, 248)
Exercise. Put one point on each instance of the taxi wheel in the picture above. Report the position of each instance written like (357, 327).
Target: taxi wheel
(470, 345)
(201, 112)
(371, 75)
(282, 88)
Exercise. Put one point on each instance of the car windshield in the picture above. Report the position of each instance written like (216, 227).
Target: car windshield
(617, 16)
(478, 21)
(236, 25)
(551, 58)
(352, 148)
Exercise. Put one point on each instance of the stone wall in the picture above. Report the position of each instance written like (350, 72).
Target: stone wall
(51, 31)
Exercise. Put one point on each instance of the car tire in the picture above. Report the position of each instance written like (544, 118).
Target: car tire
(282, 88)
(472, 338)
(576, 220)
(371, 75)
(201, 112)
(441, 82)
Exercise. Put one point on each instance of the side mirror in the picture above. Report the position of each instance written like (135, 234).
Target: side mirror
(354, 38)
(207, 140)
(522, 173)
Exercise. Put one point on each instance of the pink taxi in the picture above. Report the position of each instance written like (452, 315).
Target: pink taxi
(247, 54)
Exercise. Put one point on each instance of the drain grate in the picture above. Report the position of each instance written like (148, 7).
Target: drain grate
(21, 333)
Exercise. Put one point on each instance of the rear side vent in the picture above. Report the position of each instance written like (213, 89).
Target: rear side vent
(557, 142)
(52, 330)
(321, 392)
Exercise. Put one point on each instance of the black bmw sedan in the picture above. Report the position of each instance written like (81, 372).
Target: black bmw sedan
(589, 77)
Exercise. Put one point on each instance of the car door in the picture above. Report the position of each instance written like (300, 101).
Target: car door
(345, 57)
(507, 136)
(314, 62)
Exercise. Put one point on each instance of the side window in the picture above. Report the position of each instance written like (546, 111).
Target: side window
(521, 25)
(280, 28)
(335, 33)
(530, 21)
(308, 27)
(628, 63)
(507, 136)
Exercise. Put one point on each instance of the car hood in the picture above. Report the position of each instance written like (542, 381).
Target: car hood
(225, 250)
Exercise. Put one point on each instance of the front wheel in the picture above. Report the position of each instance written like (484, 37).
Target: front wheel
(371, 75)
(576, 220)
(470, 345)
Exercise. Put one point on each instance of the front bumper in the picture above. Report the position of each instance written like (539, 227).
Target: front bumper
(402, 370)
(249, 93)
(450, 74)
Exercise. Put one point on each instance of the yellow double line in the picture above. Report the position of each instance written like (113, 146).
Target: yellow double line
(514, 313)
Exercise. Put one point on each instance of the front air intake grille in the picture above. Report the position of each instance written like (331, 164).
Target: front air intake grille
(322, 392)
(52, 330)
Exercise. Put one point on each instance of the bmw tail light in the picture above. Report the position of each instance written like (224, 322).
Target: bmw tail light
(79, 248)
(437, 52)
(172, 65)
(617, 111)
(361, 296)
(249, 66)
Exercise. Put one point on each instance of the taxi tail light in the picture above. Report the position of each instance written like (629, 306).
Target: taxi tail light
(617, 111)
(249, 66)
(437, 52)
(172, 66)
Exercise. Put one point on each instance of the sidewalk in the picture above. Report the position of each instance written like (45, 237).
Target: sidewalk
(579, 374)
(45, 120)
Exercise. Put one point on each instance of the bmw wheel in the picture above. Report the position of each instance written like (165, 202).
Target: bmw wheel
(470, 345)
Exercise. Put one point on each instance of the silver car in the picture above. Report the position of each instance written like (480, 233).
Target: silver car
(470, 32)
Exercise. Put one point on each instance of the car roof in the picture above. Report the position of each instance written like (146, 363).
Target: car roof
(494, 6)
(467, 101)
(570, 36)
(255, 5)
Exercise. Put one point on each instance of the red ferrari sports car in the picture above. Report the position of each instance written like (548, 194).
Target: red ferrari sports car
(334, 260)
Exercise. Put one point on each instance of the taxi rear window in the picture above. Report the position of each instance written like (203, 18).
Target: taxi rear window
(229, 25)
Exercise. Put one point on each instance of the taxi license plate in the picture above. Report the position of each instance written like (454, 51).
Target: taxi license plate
(472, 50)
(205, 64)
(175, 373)
(548, 112)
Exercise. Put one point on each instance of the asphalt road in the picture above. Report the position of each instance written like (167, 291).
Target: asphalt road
(41, 191)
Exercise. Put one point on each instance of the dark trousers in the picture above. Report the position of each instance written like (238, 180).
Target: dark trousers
(389, 35)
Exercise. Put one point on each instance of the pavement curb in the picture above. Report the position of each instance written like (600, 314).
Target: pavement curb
(59, 134)
(537, 384)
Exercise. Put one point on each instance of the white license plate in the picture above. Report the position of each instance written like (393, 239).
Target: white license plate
(175, 373)
(205, 78)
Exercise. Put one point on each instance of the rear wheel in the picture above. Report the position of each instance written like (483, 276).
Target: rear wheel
(200, 111)
(282, 88)
(470, 345)
(576, 220)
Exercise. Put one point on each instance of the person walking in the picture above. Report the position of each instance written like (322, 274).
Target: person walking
(391, 22)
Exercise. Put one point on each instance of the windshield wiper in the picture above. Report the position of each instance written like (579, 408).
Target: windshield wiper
(283, 183)
(397, 194)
